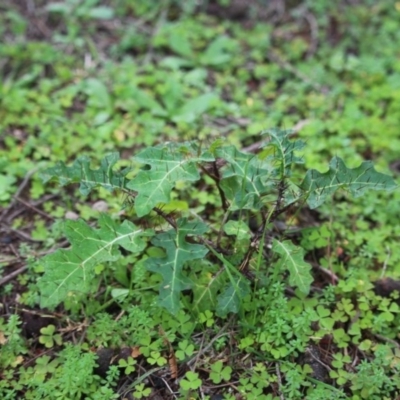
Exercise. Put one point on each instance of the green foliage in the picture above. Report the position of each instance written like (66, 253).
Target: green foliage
(141, 391)
(80, 172)
(296, 379)
(185, 350)
(357, 180)
(218, 53)
(76, 13)
(191, 381)
(81, 77)
(57, 378)
(84, 10)
(246, 180)
(291, 257)
(72, 271)
(282, 328)
(284, 151)
(13, 345)
(178, 252)
(48, 338)
(220, 373)
(128, 365)
(169, 164)
(132, 327)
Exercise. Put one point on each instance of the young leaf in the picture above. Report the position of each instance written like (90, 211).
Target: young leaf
(245, 178)
(284, 150)
(172, 94)
(181, 45)
(178, 252)
(88, 178)
(216, 54)
(231, 299)
(206, 286)
(292, 258)
(195, 107)
(169, 163)
(72, 270)
(358, 180)
(237, 228)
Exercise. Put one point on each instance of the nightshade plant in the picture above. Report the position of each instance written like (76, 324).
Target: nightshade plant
(250, 186)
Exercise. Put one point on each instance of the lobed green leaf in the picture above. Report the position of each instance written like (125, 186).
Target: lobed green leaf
(80, 172)
(284, 150)
(168, 164)
(230, 300)
(71, 271)
(245, 178)
(292, 258)
(318, 186)
(170, 267)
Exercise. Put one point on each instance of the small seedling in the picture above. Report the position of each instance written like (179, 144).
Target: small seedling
(186, 349)
(220, 373)
(48, 337)
(156, 358)
(141, 391)
(190, 382)
(128, 364)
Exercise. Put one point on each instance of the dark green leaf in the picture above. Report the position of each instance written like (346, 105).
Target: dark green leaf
(170, 267)
(284, 150)
(246, 178)
(231, 299)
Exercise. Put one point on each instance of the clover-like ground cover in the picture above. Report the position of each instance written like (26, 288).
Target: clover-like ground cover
(313, 314)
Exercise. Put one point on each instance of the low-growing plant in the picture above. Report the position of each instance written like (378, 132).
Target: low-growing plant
(220, 372)
(59, 378)
(190, 382)
(128, 365)
(238, 241)
(97, 73)
(141, 391)
(48, 338)
(76, 14)
(12, 345)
